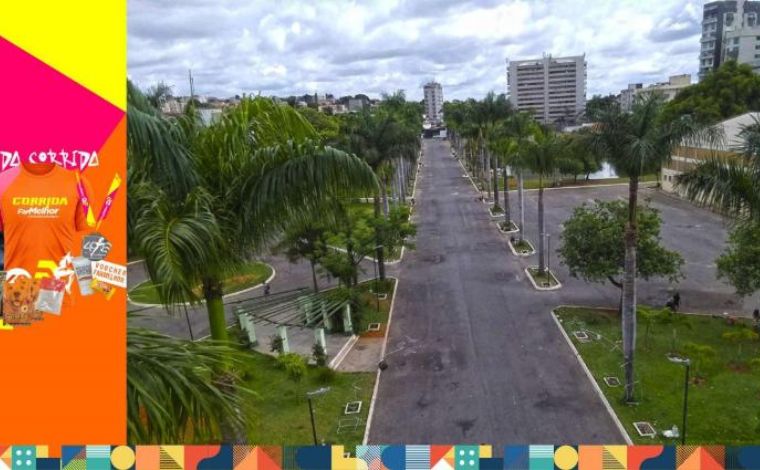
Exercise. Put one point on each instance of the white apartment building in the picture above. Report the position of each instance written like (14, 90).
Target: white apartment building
(730, 31)
(668, 90)
(552, 88)
(433, 93)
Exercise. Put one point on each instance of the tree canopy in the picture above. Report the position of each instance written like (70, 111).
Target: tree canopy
(593, 246)
(730, 90)
(598, 104)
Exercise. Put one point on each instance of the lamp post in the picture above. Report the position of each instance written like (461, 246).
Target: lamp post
(686, 362)
(375, 265)
(309, 396)
(548, 254)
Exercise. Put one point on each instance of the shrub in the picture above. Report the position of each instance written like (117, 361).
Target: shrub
(326, 375)
(320, 356)
(293, 365)
(276, 344)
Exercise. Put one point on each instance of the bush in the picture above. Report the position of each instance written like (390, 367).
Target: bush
(276, 344)
(326, 375)
(293, 365)
(320, 356)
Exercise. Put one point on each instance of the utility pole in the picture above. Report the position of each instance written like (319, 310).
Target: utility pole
(192, 88)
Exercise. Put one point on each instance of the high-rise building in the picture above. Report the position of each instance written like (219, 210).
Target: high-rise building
(730, 30)
(433, 102)
(552, 88)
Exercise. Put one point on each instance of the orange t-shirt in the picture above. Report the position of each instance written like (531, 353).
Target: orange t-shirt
(40, 217)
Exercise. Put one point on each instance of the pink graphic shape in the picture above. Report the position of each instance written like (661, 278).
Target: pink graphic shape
(46, 111)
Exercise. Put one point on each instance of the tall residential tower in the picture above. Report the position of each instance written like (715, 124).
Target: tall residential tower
(434, 102)
(730, 31)
(552, 88)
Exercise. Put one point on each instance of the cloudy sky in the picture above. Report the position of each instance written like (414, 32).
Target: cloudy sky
(348, 47)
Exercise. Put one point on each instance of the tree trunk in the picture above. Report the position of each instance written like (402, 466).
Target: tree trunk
(629, 289)
(379, 254)
(541, 229)
(495, 181)
(232, 434)
(521, 200)
(507, 212)
(212, 293)
(486, 167)
(384, 189)
(314, 275)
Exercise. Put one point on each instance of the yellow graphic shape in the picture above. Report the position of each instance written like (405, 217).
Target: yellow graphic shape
(87, 43)
(565, 458)
(339, 462)
(43, 266)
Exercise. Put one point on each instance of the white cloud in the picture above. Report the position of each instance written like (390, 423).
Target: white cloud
(348, 47)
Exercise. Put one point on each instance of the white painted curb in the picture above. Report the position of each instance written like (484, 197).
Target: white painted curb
(233, 294)
(338, 359)
(507, 232)
(377, 377)
(536, 286)
(522, 255)
(593, 381)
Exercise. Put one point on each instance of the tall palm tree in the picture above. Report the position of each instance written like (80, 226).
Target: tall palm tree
(521, 126)
(243, 180)
(488, 113)
(637, 143)
(542, 157)
(506, 150)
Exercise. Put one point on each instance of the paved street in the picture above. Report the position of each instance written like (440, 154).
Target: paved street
(473, 353)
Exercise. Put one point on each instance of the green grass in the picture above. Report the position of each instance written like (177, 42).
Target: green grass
(282, 411)
(724, 403)
(251, 275)
(541, 279)
(369, 312)
(533, 183)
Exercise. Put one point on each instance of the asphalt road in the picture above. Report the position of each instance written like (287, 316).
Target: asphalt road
(473, 354)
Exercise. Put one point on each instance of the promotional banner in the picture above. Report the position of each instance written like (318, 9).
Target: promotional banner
(62, 178)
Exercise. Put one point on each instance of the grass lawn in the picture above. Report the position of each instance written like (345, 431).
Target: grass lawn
(369, 311)
(533, 183)
(540, 279)
(724, 399)
(251, 275)
(282, 411)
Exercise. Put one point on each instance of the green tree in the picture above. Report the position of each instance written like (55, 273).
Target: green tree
(522, 127)
(593, 244)
(701, 356)
(542, 156)
(304, 241)
(740, 263)
(598, 105)
(506, 150)
(174, 393)
(730, 90)
(254, 172)
(637, 143)
(327, 126)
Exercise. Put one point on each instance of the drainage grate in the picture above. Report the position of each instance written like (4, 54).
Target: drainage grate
(612, 381)
(644, 429)
(373, 327)
(353, 407)
(581, 336)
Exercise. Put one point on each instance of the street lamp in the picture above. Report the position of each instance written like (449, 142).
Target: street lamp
(376, 266)
(548, 254)
(686, 362)
(309, 396)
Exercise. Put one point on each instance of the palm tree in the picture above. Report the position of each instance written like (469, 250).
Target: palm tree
(521, 126)
(637, 143)
(506, 150)
(241, 181)
(727, 182)
(172, 392)
(488, 113)
(542, 156)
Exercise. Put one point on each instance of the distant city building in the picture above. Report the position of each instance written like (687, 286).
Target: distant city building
(687, 156)
(668, 90)
(355, 105)
(433, 94)
(730, 31)
(552, 88)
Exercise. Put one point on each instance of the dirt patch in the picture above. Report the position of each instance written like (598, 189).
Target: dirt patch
(739, 367)
(375, 334)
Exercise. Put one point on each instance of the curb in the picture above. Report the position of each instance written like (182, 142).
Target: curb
(187, 304)
(338, 359)
(533, 281)
(591, 378)
(495, 216)
(373, 400)
(521, 255)
(507, 232)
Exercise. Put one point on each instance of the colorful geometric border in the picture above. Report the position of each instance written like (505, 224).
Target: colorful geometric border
(382, 457)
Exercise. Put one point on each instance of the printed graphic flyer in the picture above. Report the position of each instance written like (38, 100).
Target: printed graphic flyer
(62, 213)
